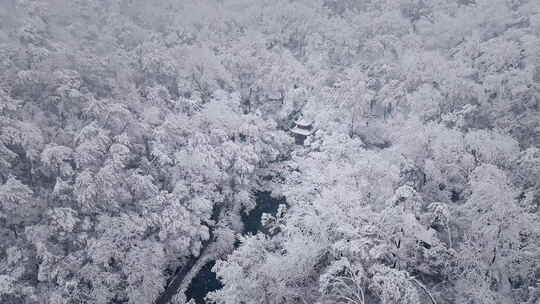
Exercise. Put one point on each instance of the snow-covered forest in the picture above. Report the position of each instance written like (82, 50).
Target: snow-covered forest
(146, 145)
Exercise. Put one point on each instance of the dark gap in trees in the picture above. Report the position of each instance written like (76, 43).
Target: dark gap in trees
(206, 281)
(203, 283)
(265, 204)
(455, 196)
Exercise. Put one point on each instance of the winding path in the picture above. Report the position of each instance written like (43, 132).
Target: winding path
(207, 256)
(183, 275)
(212, 248)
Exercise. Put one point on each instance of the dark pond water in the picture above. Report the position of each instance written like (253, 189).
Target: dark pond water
(205, 281)
(265, 204)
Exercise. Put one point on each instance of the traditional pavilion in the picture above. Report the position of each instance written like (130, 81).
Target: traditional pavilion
(301, 130)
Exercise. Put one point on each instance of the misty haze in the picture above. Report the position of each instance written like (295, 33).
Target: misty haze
(269, 151)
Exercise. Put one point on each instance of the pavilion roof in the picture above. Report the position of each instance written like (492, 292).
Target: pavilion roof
(303, 122)
(300, 131)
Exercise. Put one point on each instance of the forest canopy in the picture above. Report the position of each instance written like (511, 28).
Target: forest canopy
(136, 134)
